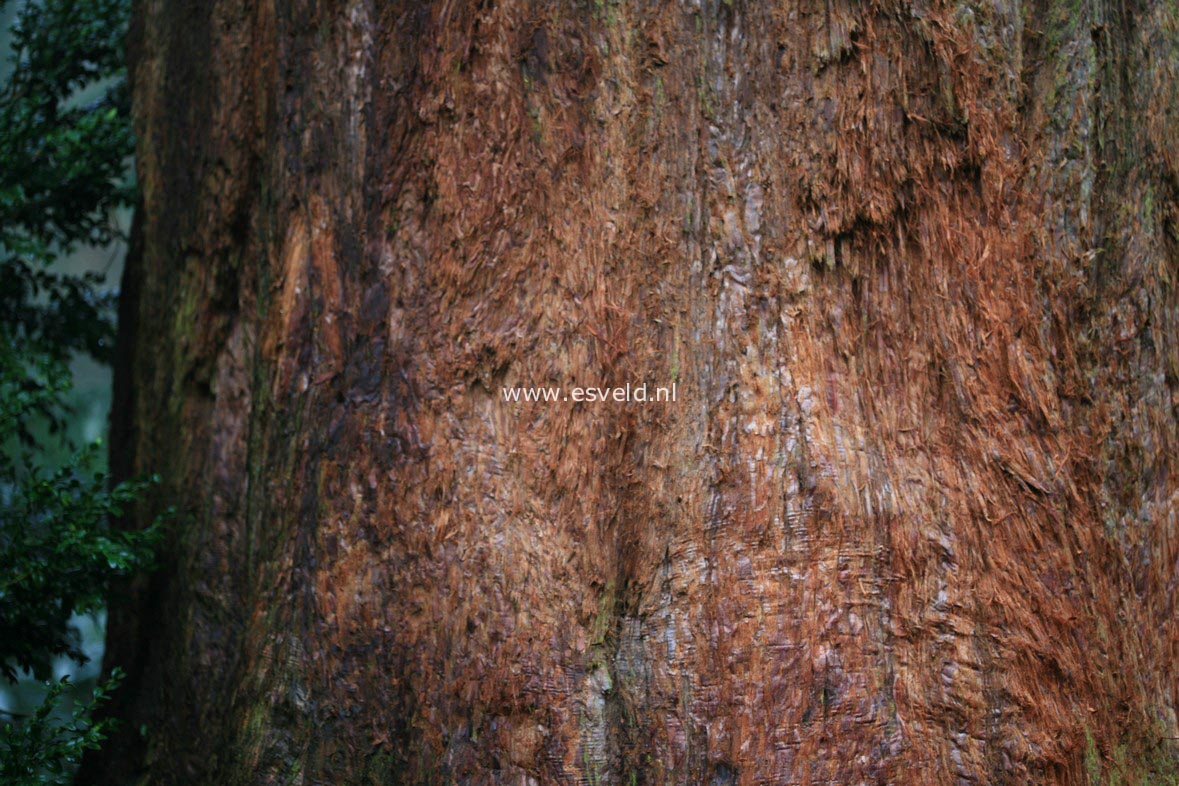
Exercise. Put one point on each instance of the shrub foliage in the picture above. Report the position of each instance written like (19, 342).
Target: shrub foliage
(65, 145)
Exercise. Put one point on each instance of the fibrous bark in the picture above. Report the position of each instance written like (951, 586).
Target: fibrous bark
(913, 516)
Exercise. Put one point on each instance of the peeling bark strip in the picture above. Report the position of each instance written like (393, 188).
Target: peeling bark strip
(911, 266)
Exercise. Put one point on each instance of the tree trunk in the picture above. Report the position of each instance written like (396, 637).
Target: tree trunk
(912, 269)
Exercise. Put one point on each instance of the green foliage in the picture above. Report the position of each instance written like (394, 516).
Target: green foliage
(40, 749)
(63, 168)
(64, 165)
(65, 145)
(59, 553)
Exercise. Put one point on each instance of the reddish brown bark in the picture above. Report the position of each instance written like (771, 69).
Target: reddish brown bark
(911, 266)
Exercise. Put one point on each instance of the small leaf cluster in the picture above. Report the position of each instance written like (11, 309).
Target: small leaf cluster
(59, 552)
(42, 749)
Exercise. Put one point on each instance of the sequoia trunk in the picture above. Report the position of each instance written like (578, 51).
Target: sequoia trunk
(911, 267)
